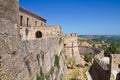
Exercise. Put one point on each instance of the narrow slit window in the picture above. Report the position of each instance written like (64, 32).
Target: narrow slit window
(35, 23)
(21, 19)
(27, 22)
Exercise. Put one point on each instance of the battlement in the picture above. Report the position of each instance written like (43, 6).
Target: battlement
(71, 35)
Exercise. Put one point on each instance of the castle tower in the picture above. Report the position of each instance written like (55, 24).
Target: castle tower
(9, 39)
(9, 33)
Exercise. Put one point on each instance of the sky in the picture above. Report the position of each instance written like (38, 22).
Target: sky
(85, 17)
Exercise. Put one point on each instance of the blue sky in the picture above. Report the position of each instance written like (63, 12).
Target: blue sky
(100, 17)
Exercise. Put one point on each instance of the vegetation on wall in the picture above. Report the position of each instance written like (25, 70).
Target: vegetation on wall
(73, 79)
(60, 40)
(70, 62)
(88, 57)
(52, 70)
(41, 76)
(56, 62)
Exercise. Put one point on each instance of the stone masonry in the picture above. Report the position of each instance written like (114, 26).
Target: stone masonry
(71, 47)
(10, 59)
(23, 58)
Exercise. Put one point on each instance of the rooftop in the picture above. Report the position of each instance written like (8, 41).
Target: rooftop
(32, 14)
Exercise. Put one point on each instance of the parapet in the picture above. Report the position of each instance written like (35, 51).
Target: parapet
(71, 35)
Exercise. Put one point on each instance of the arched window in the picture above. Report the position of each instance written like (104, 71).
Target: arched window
(118, 76)
(38, 34)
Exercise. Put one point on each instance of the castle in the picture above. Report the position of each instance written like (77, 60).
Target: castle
(30, 49)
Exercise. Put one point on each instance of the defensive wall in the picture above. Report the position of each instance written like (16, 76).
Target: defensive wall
(105, 68)
(23, 59)
(41, 31)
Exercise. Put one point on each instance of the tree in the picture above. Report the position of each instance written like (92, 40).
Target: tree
(88, 57)
(112, 49)
(93, 46)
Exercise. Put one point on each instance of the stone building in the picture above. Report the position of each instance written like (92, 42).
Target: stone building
(106, 68)
(29, 19)
(29, 49)
(33, 26)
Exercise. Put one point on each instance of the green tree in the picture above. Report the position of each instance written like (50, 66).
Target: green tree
(93, 46)
(112, 49)
(88, 57)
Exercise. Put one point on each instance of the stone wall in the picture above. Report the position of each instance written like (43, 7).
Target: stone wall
(27, 59)
(40, 55)
(10, 59)
(46, 31)
(99, 73)
(35, 56)
(100, 69)
(71, 47)
(115, 65)
(83, 50)
(28, 19)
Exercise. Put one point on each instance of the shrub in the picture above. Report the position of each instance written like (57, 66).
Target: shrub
(60, 40)
(41, 76)
(88, 57)
(56, 62)
(70, 62)
(73, 79)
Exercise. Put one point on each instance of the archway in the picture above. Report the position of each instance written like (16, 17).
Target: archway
(38, 34)
(118, 76)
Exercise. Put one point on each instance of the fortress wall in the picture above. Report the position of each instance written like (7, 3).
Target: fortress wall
(100, 70)
(23, 60)
(10, 57)
(83, 50)
(100, 55)
(46, 49)
(47, 31)
(50, 31)
(98, 73)
(115, 63)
